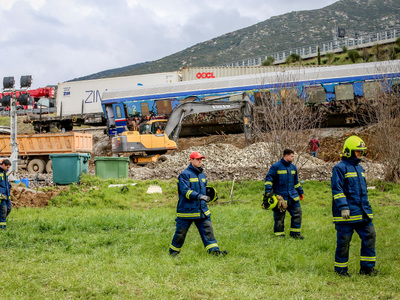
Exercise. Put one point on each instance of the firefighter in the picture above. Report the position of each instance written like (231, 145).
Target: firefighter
(5, 186)
(192, 207)
(351, 209)
(282, 179)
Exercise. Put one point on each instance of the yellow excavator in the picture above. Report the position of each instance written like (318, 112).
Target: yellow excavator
(156, 137)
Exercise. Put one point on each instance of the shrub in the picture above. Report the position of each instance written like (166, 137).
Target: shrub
(269, 61)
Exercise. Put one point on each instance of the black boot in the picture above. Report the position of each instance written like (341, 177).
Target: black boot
(218, 253)
(368, 271)
(344, 274)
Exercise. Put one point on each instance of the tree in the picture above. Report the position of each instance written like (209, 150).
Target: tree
(353, 55)
(283, 119)
(382, 114)
(344, 49)
(319, 56)
(269, 61)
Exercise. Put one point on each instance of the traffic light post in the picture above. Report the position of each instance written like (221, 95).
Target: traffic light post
(8, 86)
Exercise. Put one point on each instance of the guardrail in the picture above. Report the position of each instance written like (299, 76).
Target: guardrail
(362, 41)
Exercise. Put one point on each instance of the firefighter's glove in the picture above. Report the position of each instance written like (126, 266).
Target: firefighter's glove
(3, 197)
(282, 204)
(205, 198)
(301, 197)
(345, 214)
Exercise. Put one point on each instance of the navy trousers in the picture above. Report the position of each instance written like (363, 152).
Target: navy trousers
(205, 229)
(5, 209)
(294, 209)
(367, 234)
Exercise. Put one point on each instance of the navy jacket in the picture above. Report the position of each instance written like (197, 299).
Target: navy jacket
(349, 191)
(283, 179)
(192, 184)
(5, 186)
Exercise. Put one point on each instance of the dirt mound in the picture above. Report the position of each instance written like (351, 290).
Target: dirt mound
(24, 197)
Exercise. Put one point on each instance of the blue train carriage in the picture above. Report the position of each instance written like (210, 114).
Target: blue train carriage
(338, 91)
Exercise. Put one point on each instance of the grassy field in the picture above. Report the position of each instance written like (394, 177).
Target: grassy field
(95, 242)
(23, 128)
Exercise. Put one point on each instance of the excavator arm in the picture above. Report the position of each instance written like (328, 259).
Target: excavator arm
(174, 124)
(147, 148)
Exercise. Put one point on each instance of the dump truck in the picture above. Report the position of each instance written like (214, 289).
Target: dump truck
(34, 149)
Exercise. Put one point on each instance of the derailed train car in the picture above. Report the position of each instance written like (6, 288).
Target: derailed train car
(339, 91)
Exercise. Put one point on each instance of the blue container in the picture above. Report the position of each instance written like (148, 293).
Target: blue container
(25, 181)
(68, 167)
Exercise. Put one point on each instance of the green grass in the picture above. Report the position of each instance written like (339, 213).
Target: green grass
(23, 128)
(95, 242)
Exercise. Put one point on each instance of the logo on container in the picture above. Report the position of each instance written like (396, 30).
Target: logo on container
(66, 91)
(201, 75)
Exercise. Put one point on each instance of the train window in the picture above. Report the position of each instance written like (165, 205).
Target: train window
(164, 107)
(144, 107)
(289, 94)
(344, 92)
(316, 94)
(118, 112)
(372, 90)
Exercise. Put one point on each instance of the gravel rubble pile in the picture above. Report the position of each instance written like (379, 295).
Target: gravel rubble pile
(225, 162)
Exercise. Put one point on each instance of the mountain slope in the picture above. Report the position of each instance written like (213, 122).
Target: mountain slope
(275, 34)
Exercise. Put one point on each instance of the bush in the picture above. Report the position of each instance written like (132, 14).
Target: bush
(330, 56)
(353, 55)
(292, 58)
(269, 61)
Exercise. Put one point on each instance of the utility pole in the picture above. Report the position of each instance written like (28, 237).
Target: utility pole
(9, 86)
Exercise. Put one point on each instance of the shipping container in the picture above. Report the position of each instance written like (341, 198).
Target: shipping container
(84, 97)
(79, 102)
(196, 73)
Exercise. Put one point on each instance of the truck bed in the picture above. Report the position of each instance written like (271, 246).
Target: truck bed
(50, 143)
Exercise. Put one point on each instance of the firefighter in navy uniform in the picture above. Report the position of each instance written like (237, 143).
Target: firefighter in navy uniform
(5, 186)
(351, 209)
(192, 207)
(282, 179)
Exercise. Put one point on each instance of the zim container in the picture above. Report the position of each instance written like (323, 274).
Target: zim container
(68, 167)
(111, 167)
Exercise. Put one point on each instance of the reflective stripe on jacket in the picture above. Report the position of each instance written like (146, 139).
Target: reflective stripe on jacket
(192, 184)
(5, 186)
(283, 179)
(349, 191)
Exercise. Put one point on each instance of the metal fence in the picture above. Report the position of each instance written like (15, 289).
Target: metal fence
(366, 40)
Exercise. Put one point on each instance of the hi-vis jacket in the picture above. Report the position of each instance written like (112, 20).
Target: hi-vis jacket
(192, 184)
(283, 179)
(5, 186)
(349, 191)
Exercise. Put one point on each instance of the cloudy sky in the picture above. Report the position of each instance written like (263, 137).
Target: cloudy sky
(58, 40)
